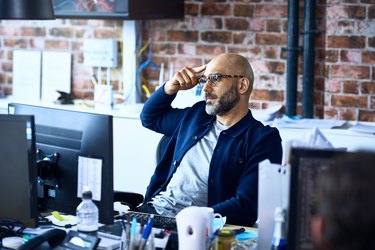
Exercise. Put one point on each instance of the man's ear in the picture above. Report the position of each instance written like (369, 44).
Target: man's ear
(317, 229)
(244, 85)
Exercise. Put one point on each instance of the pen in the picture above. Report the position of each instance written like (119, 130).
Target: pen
(133, 232)
(146, 232)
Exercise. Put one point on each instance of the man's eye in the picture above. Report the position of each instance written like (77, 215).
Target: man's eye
(215, 78)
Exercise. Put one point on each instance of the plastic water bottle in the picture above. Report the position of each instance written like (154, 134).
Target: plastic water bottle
(279, 241)
(87, 214)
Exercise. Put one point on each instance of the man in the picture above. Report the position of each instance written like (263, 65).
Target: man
(215, 147)
(345, 218)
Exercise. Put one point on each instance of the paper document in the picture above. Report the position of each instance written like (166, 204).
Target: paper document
(56, 74)
(90, 174)
(26, 75)
(363, 128)
(286, 122)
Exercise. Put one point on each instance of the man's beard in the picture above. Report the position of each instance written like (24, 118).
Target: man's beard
(226, 102)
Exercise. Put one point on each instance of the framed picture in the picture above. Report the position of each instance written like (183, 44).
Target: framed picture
(93, 9)
(119, 9)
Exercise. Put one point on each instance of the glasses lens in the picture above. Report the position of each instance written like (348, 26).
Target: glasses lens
(214, 78)
(202, 80)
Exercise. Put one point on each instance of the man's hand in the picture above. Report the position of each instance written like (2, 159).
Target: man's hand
(184, 79)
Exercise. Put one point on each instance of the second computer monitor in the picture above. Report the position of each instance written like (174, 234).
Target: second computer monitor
(74, 149)
(18, 186)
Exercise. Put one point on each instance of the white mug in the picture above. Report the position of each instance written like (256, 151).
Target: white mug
(195, 225)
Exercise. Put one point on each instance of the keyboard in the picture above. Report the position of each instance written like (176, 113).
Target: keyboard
(160, 221)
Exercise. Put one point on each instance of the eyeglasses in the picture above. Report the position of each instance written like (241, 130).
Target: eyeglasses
(213, 79)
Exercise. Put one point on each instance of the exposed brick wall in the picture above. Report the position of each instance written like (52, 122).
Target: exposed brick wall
(57, 35)
(344, 63)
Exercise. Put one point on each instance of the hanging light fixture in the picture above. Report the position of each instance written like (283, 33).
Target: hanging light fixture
(27, 9)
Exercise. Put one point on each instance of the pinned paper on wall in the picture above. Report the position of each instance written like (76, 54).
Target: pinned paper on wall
(56, 74)
(90, 175)
(26, 75)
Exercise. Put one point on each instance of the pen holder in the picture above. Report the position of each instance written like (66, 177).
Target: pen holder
(103, 96)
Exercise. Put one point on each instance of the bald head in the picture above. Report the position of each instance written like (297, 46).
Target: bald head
(232, 64)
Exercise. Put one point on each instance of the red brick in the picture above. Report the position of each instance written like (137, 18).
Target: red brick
(187, 49)
(29, 31)
(348, 71)
(345, 11)
(61, 32)
(106, 33)
(348, 114)
(350, 87)
(236, 24)
(333, 86)
(368, 88)
(273, 25)
(330, 113)
(368, 57)
(350, 56)
(366, 115)
(271, 52)
(180, 62)
(257, 24)
(346, 42)
(267, 95)
(349, 101)
(252, 53)
(327, 55)
(9, 31)
(271, 10)
(245, 10)
(164, 48)
(270, 39)
(182, 36)
(210, 50)
(216, 37)
(371, 40)
(371, 10)
(57, 45)
(215, 9)
(243, 38)
(276, 67)
(191, 9)
(203, 23)
(7, 67)
(15, 43)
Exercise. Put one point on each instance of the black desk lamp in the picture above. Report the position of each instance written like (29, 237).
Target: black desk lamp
(27, 9)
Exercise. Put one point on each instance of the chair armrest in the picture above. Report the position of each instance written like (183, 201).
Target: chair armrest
(132, 200)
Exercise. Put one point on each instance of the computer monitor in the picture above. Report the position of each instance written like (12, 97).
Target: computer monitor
(18, 186)
(74, 148)
(306, 166)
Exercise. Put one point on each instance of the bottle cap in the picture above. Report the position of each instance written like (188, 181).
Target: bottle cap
(87, 194)
(226, 233)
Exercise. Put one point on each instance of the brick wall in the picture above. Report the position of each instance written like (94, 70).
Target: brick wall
(57, 35)
(345, 49)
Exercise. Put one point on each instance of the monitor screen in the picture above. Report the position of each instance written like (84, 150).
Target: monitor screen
(74, 150)
(306, 166)
(18, 186)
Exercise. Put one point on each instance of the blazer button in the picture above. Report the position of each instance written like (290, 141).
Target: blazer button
(194, 137)
(175, 162)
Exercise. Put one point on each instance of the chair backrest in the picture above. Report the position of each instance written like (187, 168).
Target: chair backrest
(160, 149)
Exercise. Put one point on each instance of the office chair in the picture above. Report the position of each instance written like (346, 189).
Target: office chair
(130, 199)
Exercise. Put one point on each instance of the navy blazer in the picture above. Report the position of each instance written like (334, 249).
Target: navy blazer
(233, 174)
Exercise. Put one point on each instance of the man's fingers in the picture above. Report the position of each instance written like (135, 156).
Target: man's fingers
(200, 69)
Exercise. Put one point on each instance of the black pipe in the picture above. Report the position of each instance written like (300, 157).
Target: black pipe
(292, 59)
(308, 60)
